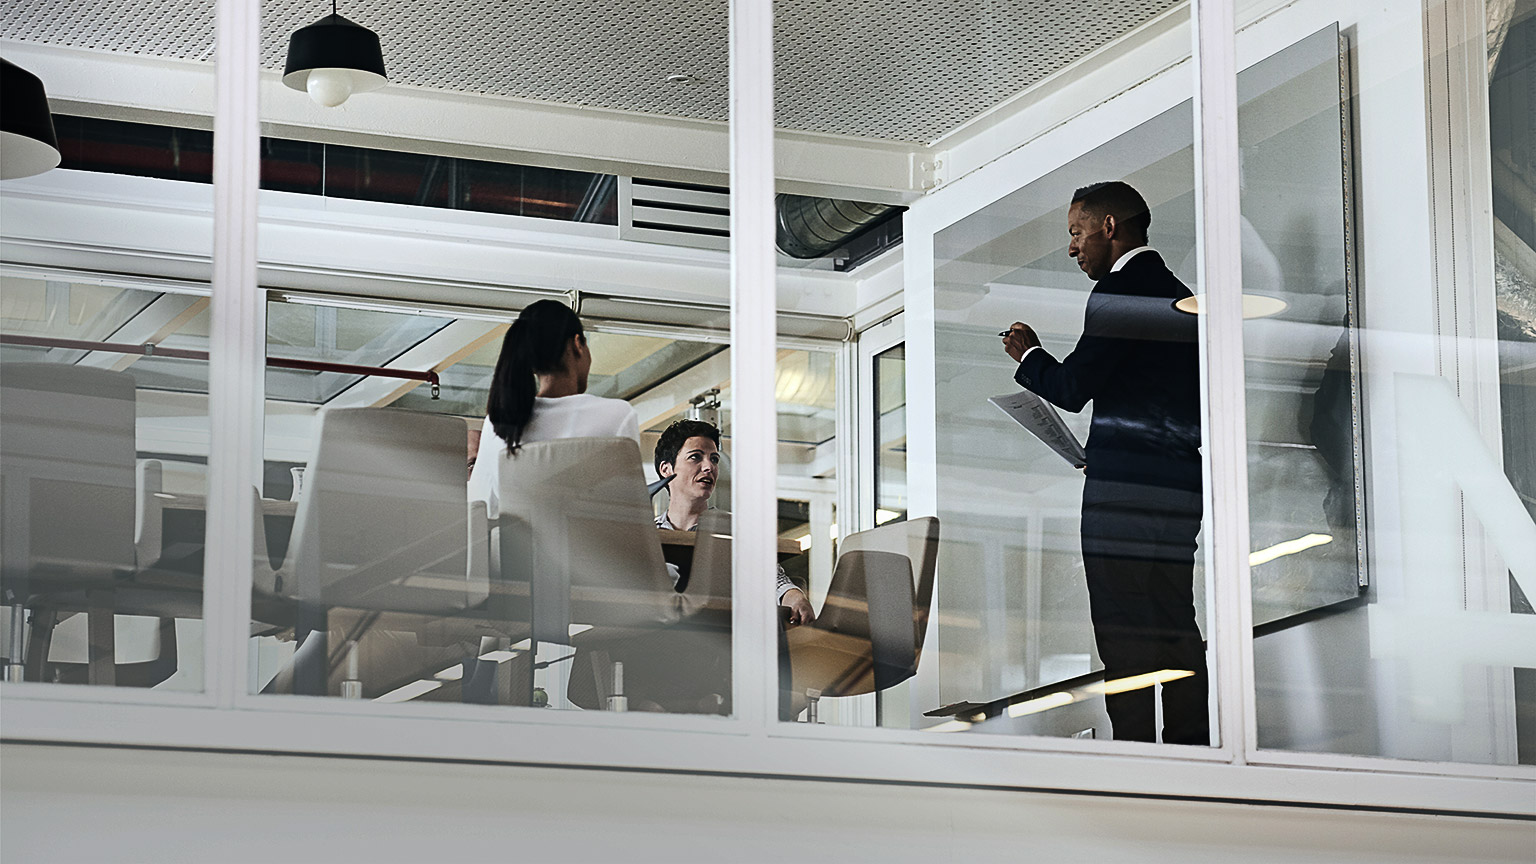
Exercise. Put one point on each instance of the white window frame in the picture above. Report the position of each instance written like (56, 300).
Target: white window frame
(753, 742)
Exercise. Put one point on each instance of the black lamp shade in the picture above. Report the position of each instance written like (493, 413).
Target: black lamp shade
(27, 142)
(333, 42)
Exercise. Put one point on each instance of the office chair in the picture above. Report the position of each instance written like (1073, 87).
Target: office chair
(576, 532)
(384, 548)
(869, 633)
(684, 668)
(66, 504)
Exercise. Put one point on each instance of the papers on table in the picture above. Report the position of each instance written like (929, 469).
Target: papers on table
(1042, 421)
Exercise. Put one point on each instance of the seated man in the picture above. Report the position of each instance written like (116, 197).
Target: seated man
(690, 450)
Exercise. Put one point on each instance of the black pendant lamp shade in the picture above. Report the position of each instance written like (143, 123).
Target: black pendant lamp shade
(27, 143)
(334, 58)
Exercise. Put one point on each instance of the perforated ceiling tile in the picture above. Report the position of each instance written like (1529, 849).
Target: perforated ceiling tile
(905, 71)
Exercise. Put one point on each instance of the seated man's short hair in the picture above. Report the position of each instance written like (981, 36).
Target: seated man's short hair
(672, 440)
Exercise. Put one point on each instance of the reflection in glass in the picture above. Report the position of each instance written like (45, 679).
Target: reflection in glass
(351, 560)
(1424, 664)
(890, 386)
(105, 454)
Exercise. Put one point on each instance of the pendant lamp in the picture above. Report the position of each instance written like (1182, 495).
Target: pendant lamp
(1254, 305)
(334, 58)
(27, 143)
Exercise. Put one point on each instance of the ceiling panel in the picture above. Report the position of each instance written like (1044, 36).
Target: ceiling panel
(911, 71)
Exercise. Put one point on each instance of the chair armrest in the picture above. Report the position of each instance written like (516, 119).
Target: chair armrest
(478, 554)
(264, 579)
(148, 521)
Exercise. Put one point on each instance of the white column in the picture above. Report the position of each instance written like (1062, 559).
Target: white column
(237, 351)
(753, 336)
(1217, 217)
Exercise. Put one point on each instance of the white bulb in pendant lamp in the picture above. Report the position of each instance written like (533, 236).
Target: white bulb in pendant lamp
(334, 58)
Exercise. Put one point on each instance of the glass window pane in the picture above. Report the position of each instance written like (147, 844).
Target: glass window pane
(890, 433)
(104, 340)
(1072, 603)
(410, 554)
(1389, 418)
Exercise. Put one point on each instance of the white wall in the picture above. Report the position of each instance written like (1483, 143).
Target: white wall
(168, 806)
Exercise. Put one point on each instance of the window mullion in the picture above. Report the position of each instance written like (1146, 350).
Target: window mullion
(237, 346)
(1217, 218)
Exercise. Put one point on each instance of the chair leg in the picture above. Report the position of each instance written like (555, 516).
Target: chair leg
(101, 625)
(351, 687)
(618, 701)
(480, 676)
(812, 707)
(311, 672)
(43, 620)
(15, 666)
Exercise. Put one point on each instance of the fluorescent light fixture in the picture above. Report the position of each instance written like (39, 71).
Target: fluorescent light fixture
(883, 515)
(524, 645)
(578, 629)
(1289, 547)
(804, 541)
(452, 313)
(499, 656)
(1044, 703)
(410, 691)
(1137, 682)
(950, 726)
(452, 673)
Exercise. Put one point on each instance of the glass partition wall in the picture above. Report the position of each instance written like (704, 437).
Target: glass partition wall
(104, 360)
(540, 576)
(1391, 431)
(436, 252)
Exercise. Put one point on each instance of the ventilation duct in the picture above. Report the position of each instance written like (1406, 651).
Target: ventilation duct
(812, 227)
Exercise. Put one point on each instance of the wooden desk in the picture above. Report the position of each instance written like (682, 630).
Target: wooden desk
(687, 539)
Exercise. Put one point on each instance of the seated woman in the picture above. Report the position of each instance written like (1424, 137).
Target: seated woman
(690, 450)
(539, 393)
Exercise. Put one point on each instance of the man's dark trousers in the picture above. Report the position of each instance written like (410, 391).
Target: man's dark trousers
(1138, 557)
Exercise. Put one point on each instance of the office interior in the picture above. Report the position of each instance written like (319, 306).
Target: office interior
(247, 337)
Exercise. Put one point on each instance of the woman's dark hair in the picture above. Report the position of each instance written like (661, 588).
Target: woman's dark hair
(534, 344)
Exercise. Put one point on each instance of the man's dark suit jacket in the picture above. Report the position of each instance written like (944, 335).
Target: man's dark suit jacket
(1139, 362)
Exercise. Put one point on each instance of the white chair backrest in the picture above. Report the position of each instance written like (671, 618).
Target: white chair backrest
(709, 576)
(381, 523)
(917, 540)
(860, 600)
(576, 525)
(66, 470)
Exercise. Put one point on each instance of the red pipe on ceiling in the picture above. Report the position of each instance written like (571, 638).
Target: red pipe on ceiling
(150, 349)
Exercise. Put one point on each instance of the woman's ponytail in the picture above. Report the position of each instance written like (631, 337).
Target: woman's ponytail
(535, 343)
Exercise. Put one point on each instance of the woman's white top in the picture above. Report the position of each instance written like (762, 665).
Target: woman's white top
(579, 416)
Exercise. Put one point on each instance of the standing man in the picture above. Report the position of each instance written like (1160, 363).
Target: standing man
(1139, 362)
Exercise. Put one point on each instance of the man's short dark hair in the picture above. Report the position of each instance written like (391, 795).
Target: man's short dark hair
(676, 435)
(1118, 199)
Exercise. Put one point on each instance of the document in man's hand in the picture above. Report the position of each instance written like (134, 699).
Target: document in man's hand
(1041, 419)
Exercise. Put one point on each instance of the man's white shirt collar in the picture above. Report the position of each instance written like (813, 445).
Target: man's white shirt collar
(1120, 262)
(1114, 268)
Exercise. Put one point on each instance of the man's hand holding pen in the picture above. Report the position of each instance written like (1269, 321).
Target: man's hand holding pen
(1018, 338)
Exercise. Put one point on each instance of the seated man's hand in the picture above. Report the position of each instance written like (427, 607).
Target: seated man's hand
(800, 611)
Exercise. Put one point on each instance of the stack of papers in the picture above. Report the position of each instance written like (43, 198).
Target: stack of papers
(1042, 421)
